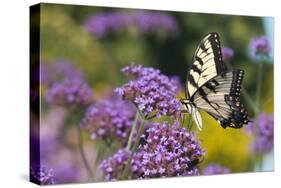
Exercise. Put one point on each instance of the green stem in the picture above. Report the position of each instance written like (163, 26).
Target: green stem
(260, 162)
(132, 131)
(258, 96)
(268, 100)
(259, 84)
(73, 119)
(249, 100)
(96, 162)
(134, 149)
(82, 153)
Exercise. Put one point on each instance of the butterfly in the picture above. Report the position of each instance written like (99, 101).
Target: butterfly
(214, 88)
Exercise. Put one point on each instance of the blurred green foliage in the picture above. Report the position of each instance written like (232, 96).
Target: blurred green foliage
(63, 37)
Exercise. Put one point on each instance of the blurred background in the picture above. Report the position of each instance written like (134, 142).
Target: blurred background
(96, 42)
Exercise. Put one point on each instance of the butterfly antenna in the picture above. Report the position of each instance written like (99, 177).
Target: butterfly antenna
(178, 97)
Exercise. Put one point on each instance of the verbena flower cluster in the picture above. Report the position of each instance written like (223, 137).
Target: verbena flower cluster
(42, 175)
(151, 91)
(263, 127)
(152, 21)
(215, 169)
(103, 24)
(70, 92)
(227, 54)
(164, 151)
(58, 71)
(260, 46)
(114, 166)
(67, 84)
(110, 119)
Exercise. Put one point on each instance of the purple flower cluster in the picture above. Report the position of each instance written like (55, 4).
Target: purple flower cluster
(102, 24)
(42, 175)
(152, 92)
(114, 166)
(260, 46)
(263, 127)
(227, 54)
(150, 21)
(70, 92)
(215, 169)
(111, 118)
(57, 71)
(164, 151)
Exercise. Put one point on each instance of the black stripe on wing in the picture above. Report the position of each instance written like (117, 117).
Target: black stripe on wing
(214, 39)
(207, 63)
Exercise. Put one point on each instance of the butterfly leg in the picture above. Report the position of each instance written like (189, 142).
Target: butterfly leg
(190, 122)
(180, 116)
(184, 112)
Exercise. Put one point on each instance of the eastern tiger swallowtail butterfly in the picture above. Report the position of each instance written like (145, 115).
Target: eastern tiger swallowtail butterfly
(212, 87)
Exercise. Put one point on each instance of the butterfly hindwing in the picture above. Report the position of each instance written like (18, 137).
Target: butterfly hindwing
(219, 97)
(207, 63)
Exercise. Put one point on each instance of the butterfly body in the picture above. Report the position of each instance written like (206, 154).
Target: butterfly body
(187, 105)
(212, 87)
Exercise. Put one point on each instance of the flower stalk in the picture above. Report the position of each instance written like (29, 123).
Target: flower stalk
(134, 149)
(82, 153)
(75, 116)
(132, 131)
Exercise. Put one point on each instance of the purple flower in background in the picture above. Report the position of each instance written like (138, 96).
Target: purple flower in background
(105, 23)
(215, 169)
(109, 119)
(66, 172)
(152, 92)
(102, 24)
(260, 46)
(57, 149)
(71, 92)
(48, 145)
(164, 151)
(42, 175)
(227, 54)
(45, 74)
(148, 21)
(65, 162)
(263, 127)
(59, 70)
(177, 83)
(67, 70)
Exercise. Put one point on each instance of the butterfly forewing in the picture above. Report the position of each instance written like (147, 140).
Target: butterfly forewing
(207, 63)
